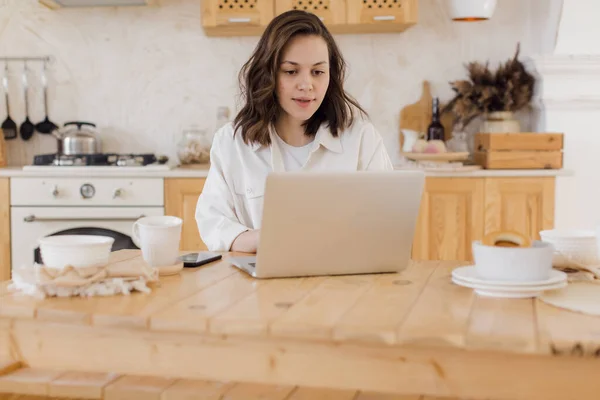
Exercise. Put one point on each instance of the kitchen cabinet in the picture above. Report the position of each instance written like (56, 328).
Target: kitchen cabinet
(4, 229)
(236, 17)
(456, 211)
(56, 4)
(181, 196)
(331, 12)
(373, 16)
(522, 204)
(250, 17)
(450, 218)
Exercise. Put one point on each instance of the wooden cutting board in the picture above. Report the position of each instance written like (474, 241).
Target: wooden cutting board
(3, 151)
(417, 116)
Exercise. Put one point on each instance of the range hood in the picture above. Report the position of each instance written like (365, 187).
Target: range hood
(96, 3)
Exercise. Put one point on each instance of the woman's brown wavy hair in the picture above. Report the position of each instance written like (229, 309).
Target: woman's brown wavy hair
(258, 81)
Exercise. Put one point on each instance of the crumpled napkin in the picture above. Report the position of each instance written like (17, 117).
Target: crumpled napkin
(125, 272)
(577, 270)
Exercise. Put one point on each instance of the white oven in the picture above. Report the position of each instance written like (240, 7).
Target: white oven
(43, 207)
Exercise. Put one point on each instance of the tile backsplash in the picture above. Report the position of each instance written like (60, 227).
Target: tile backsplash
(143, 74)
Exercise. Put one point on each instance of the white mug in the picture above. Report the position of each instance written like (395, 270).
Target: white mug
(158, 237)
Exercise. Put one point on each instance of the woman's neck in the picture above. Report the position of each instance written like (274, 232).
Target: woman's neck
(291, 131)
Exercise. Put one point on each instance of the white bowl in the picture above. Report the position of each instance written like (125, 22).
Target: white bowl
(521, 264)
(76, 250)
(572, 247)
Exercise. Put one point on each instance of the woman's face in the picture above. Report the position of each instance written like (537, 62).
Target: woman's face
(303, 76)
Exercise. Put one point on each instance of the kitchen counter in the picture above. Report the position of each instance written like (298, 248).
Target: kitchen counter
(406, 333)
(201, 171)
(151, 171)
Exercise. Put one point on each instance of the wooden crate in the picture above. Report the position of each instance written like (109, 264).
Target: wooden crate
(519, 150)
(519, 141)
(519, 159)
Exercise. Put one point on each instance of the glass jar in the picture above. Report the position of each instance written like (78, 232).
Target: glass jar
(194, 146)
(458, 143)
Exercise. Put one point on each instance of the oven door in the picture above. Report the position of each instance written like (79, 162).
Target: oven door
(28, 224)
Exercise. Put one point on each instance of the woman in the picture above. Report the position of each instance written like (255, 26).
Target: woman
(296, 116)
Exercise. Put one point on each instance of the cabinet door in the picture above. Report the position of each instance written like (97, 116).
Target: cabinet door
(331, 12)
(450, 218)
(4, 229)
(236, 17)
(381, 15)
(181, 196)
(525, 205)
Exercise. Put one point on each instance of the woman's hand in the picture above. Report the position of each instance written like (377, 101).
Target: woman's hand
(246, 242)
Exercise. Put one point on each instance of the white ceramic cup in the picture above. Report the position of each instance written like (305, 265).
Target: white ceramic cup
(516, 264)
(158, 237)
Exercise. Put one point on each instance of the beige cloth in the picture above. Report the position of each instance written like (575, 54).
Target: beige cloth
(582, 297)
(125, 272)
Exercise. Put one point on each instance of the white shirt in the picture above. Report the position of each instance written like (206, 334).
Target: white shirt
(232, 197)
(294, 157)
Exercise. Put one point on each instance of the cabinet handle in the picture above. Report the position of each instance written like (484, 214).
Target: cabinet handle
(33, 218)
(384, 18)
(238, 20)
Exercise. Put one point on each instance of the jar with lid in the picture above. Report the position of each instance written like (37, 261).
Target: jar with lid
(194, 146)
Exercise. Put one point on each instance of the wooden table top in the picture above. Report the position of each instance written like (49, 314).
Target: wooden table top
(419, 306)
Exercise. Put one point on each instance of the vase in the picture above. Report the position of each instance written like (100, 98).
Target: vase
(501, 122)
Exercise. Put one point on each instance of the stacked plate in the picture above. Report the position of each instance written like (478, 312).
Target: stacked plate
(468, 277)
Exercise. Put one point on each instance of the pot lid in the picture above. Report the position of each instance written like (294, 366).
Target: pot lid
(78, 128)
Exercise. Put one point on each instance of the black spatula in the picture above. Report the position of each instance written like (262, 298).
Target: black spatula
(27, 127)
(8, 126)
(46, 126)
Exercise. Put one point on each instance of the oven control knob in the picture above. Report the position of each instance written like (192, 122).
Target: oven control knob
(87, 191)
(55, 191)
(117, 193)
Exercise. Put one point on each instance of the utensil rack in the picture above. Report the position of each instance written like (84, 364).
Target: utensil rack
(25, 59)
(9, 128)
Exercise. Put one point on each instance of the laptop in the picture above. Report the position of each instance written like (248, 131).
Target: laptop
(336, 223)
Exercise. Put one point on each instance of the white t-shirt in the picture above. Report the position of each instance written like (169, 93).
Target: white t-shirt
(294, 158)
(231, 201)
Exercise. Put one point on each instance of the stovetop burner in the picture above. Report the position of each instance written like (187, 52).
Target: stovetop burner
(108, 159)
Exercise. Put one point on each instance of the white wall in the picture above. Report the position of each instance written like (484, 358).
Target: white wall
(144, 74)
(570, 96)
(579, 28)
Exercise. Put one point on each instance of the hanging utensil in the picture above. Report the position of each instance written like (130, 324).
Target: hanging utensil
(27, 127)
(46, 126)
(8, 126)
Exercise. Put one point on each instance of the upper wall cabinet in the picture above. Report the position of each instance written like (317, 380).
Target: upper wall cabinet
(250, 17)
(381, 15)
(331, 12)
(236, 17)
(54, 4)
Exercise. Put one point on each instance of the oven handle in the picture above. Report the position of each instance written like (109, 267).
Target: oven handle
(33, 218)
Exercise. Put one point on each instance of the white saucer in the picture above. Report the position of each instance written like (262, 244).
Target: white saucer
(469, 275)
(466, 276)
(515, 292)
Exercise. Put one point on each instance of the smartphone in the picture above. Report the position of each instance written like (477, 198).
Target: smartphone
(194, 260)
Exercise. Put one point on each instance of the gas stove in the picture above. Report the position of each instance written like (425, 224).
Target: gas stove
(103, 159)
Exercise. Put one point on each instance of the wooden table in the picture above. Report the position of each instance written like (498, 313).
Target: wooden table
(413, 333)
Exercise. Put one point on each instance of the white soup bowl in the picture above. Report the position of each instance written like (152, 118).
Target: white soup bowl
(79, 251)
(517, 264)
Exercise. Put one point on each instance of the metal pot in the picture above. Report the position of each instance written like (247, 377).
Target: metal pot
(76, 138)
